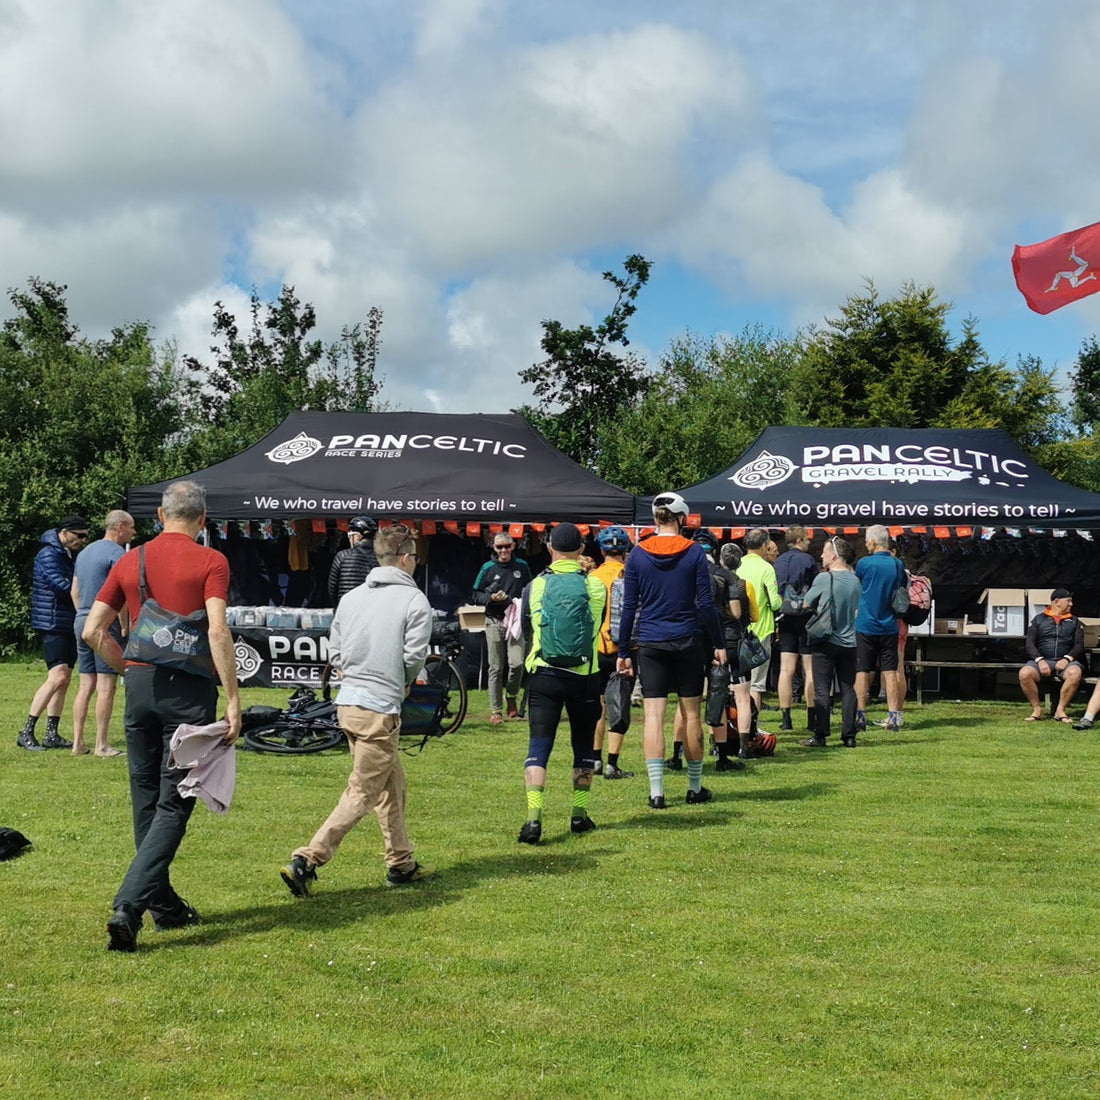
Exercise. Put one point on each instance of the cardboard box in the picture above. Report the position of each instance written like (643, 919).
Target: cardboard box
(976, 628)
(1092, 631)
(1038, 600)
(949, 626)
(1005, 611)
(472, 617)
(927, 627)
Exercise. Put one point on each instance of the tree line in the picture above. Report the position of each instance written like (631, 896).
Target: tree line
(85, 420)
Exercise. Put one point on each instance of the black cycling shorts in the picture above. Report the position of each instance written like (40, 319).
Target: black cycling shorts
(876, 651)
(58, 647)
(666, 672)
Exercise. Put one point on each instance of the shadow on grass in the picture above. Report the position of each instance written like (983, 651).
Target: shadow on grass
(330, 909)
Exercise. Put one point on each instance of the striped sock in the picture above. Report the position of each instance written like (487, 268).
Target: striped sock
(695, 775)
(580, 802)
(655, 769)
(534, 803)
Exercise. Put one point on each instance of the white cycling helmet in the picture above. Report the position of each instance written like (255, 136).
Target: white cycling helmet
(672, 501)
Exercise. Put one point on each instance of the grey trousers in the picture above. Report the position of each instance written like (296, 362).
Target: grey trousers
(505, 664)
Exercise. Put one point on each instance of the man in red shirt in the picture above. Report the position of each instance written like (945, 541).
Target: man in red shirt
(182, 577)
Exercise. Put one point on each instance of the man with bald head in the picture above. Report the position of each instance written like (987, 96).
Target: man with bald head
(96, 676)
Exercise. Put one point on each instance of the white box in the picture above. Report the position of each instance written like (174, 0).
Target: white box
(1005, 611)
(1038, 600)
(471, 617)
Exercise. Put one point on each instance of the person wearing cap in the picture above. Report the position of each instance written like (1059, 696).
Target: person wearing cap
(52, 615)
(96, 676)
(1055, 645)
(554, 605)
(666, 583)
(352, 564)
(615, 544)
(501, 580)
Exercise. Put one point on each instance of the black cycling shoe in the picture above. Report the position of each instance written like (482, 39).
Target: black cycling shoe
(675, 763)
(530, 833)
(180, 917)
(657, 802)
(122, 932)
(581, 824)
(27, 740)
(54, 740)
(729, 764)
(701, 795)
(610, 771)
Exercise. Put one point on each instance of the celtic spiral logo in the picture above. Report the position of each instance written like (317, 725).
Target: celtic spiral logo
(763, 472)
(163, 637)
(248, 660)
(294, 450)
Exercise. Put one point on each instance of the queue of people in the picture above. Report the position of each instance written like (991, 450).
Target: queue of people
(671, 614)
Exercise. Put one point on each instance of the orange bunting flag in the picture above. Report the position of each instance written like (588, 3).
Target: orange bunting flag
(584, 528)
(717, 532)
(694, 519)
(941, 532)
(964, 532)
(831, 530)
(895, 531)
(319, 527)
(428, 527)
(919, 530)
(473, 530)
(851, 530)
(646, 532)
(515, 530)
(540, 527)
(737, 533)
(343, 525)
(496, 528)
(451, 525)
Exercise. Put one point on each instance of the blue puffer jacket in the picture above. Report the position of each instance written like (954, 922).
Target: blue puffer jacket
(51, 596)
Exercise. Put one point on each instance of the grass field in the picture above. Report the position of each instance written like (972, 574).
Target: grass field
(916, 918)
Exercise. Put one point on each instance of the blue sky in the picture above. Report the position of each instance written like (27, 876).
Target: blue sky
(472, 166)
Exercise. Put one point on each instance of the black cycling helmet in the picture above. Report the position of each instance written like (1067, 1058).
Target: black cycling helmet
(365, 525)
(705, 536)
(614, 539)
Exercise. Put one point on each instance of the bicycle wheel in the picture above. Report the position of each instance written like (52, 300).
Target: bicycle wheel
(293, 739)
(444, 674)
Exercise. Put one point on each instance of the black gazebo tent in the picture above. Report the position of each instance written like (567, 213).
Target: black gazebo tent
(469, 467)
(894, 476)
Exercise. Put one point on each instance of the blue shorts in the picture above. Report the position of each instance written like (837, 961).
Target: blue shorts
(58, 647)
(89, 662)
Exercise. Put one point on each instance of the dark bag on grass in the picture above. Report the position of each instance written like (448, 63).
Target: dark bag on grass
(820, 624)
(617, 699)
(166, 638)
(718, 689)
(12, 843)
(750, 652)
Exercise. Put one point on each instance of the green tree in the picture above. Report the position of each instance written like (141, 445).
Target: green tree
(893, 363)
(256, 379)
(587, 381)
(81, 421)
(709, 399)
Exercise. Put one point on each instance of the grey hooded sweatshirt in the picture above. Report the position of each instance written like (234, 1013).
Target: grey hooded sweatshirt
(379, 636)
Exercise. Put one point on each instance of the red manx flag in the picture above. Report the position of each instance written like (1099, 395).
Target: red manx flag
(1054, 273)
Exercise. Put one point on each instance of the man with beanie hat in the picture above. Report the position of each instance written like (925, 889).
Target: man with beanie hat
(52, 615)
(562, 613)
(1054, 644)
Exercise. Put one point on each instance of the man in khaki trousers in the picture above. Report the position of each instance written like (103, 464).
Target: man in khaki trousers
(378, 642)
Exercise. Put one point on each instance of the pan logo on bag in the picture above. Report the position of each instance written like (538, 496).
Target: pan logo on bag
(294, 450)
(248, 660)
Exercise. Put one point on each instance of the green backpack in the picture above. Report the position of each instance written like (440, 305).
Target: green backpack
(566, 630)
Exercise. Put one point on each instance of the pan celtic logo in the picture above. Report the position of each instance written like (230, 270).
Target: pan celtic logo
(294, 450)
(763, 472)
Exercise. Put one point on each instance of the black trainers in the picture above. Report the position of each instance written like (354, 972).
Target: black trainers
(675, 763)
(848, 740)
(299, 877)
(1083, 723)
(581, 824)
(530, 833)
(180, 917)
(416, 873)
(610, 771)
(55, 741)
(27, 740)
(729, 764)
(701, 795)
(122, 932)
(657, 802)
(597, 768)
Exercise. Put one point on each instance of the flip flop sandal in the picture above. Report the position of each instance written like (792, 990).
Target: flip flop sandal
(1063, 718)
(1035, 718)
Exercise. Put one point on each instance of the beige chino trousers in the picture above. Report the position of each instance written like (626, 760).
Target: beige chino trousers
(376, 783)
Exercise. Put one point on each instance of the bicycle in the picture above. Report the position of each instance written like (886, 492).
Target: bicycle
(436, 705)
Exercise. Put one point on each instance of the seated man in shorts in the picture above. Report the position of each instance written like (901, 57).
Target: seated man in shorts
(1054, 645)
